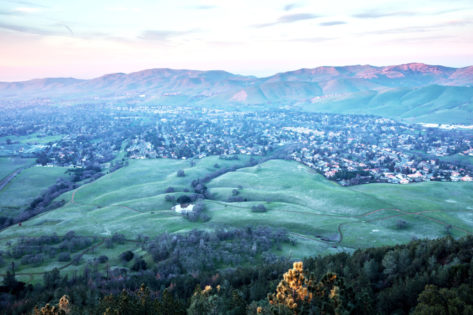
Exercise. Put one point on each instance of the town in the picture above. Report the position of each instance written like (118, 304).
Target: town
(349, 149)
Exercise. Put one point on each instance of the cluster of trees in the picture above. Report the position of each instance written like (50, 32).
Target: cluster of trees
(422, 277)
(197, 213)
(198, 251)
(91, 172)
(34, 250)
(352, 177)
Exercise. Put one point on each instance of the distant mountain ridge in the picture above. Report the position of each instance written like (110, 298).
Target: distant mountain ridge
(345, 89)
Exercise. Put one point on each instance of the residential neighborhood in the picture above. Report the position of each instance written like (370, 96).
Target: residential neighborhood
(349, 149)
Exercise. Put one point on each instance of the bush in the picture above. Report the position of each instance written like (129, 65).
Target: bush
(102, 259)
(169, 190)
(401, 224)
(170, 198)
(118, 238)
(184, 199)
(127, 256)
(139, 264)
(180, 173)
(259, 208)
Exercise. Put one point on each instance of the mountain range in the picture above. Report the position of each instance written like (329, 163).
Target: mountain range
(413, 92)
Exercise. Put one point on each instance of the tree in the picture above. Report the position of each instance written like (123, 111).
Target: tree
(184, 199)
(139, 264)
(401, 224)
(258, 208)
(298, 294)
(170, 198)
(51, 279)
(445, 301)
(126, 256)
(9, 279)
(62, 308)
(203, 302)
(293, 290)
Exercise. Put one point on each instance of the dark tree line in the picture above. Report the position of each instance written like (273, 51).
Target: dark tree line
(422, 277)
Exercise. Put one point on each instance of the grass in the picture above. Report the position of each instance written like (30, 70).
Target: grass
(131, 201)
(26, 186)
(26, 144)
(32, 139)
(9, 164)
(458, 158)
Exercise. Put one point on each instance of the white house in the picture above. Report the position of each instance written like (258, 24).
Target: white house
(185, 208)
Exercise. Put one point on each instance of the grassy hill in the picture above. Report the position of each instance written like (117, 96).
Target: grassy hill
(321, 216)
(26, 186)
(434, 103)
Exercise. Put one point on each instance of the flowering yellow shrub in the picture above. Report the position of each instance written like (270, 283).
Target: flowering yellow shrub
(296, 291)
(293, 288)
(62, 308)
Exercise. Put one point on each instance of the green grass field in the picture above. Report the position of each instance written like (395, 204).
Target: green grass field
(314, 210)
(25, 144)
(9, 164)
(26, 186)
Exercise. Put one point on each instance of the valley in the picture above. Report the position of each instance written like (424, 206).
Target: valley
(180, 180)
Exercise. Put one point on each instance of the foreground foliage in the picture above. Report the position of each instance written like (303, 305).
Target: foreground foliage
(422, 277)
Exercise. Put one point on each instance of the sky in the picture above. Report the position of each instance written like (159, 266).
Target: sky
(89, 38)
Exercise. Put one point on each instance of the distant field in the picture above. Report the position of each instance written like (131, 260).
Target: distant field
(26, 186)
(9, 164)
(31, 139)
(26, 144)
(461, 159)
(320, 215)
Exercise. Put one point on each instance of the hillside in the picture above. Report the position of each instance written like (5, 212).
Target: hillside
(415, 92)
(320, 216)
(119, 232)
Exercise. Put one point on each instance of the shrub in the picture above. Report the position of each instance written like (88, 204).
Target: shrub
(102, 259)
(127, 256)
(139, 264)
(170, 198)
(259, 208)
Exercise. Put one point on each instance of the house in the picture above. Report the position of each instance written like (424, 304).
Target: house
(183, 208)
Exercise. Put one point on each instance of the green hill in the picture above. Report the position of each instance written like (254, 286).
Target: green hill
(321, 216)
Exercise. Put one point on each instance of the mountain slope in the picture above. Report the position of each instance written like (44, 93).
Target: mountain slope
(412, 91)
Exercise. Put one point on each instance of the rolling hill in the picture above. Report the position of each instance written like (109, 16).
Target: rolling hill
(413, 92)
(321, 216)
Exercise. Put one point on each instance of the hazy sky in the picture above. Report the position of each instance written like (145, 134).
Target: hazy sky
(88, 38)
